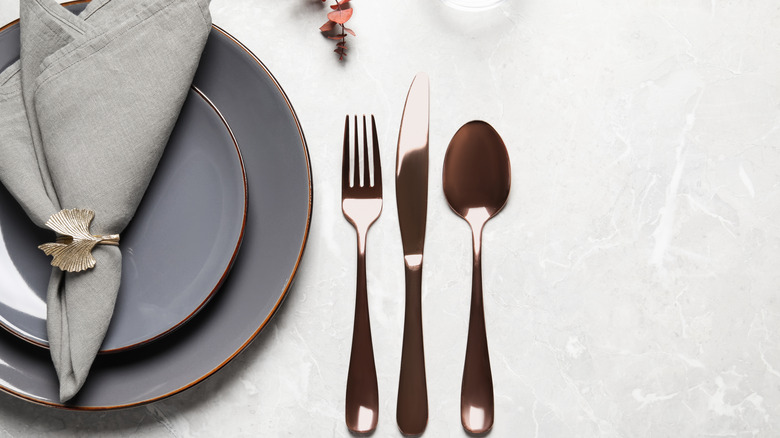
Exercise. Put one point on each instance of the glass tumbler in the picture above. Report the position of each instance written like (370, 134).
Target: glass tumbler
(472, 5)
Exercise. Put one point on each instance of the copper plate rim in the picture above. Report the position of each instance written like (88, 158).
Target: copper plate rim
(286, 287)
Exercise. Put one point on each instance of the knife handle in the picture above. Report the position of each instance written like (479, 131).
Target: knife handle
(412, 409)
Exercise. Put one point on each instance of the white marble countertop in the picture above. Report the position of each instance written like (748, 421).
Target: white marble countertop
(631, 282)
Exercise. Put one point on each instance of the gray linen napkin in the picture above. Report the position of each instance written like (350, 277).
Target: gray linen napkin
(84, 117)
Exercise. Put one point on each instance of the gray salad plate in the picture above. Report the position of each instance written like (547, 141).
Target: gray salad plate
(176, 252)
(280, 194)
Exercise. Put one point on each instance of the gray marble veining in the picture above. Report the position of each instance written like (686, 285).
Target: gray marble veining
(631, 282)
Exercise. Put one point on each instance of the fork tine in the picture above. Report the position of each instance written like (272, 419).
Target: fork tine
(356, 159)
(377, 163)
(345, 156)
(366, 167)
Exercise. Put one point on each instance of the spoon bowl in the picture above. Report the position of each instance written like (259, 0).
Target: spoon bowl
(476, 171)
(476, 180)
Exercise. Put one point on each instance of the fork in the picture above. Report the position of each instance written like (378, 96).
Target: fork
(361, 204)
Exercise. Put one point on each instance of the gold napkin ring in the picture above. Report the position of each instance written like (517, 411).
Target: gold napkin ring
(73, 250)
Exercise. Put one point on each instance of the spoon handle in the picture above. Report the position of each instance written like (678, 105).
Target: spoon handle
(412, 408)
(476, 396)
(362, 399)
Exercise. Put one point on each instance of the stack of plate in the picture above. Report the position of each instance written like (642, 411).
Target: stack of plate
(208, 258)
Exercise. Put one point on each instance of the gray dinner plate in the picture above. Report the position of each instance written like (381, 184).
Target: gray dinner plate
(279, 211)
(176, 252)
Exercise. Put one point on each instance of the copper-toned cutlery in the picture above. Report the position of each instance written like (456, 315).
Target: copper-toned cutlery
(411, 180)
(361, 204)
(476, 179)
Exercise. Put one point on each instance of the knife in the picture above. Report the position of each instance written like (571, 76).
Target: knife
(411, 187)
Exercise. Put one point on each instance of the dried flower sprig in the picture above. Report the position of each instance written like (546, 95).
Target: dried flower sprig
(341, 13)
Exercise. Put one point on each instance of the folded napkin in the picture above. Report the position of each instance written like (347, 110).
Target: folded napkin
(84, 117)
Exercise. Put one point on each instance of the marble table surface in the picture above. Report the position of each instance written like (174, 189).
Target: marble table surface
(631, 282)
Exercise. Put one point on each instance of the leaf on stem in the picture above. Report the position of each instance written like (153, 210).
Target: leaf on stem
(339, 4)
(341, 16)
(327, 27)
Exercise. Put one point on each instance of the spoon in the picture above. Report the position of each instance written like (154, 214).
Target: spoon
(476, 180)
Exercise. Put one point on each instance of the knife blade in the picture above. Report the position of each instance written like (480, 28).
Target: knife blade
(411, 181)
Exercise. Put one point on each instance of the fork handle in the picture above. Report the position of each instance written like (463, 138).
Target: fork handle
(362, 399)
(412, 409)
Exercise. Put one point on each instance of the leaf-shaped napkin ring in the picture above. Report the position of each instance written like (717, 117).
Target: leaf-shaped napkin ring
(73, 250)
